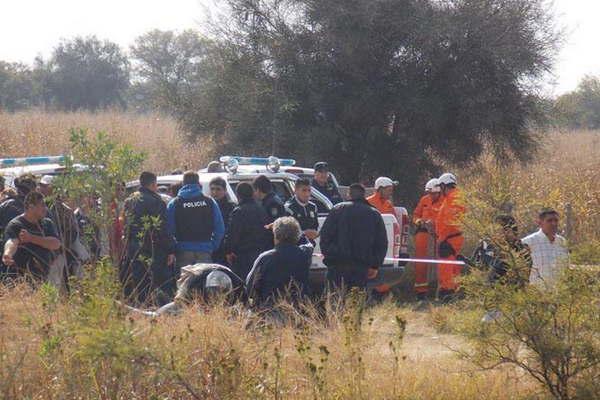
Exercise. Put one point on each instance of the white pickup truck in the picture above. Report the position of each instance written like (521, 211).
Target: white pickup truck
(284, 174)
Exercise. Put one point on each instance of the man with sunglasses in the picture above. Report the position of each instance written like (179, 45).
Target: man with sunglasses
(548, 249)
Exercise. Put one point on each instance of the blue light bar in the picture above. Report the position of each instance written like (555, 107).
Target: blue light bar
(25, 161)
(284, 162)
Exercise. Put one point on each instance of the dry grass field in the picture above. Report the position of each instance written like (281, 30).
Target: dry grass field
(88, 348)
(42, 133)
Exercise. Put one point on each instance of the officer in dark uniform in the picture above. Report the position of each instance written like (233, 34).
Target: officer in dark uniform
(247, 236)
(218, 191)
(353, 241)
(265, 194)
(324, 184)
(303, 210)
(150, 249)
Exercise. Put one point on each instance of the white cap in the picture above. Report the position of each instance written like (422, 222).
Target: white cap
(433, 186)
(47, 180)
(383, 181)
(447, 179)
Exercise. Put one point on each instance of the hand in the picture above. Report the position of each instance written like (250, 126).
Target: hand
(269, 227)
(311, 234)
(171, 260)
(372, 273)
(25, 236)
(8, 260)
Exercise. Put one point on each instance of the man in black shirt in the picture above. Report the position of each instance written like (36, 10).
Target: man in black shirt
(324, 184)
(247, 236)
(31, 240)
(303, 210)
(218, 191)
(148, 265)
(14, 205)
(353, 241)
(265, 194)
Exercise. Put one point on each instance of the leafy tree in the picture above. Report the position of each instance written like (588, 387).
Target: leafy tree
(376, 87)
(169, 65)
(16, 86)
(85, 73)
(580, 108)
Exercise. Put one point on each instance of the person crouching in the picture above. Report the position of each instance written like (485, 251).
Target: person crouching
(282, 272)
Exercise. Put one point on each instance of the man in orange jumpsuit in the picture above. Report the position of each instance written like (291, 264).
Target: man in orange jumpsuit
(449, 232)
(424, 219)
(382, 201)
(382, 198)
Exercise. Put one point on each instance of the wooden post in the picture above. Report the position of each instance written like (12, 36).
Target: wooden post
(569, 221)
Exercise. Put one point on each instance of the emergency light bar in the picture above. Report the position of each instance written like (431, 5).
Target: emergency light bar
(285, 162)
(25, 161)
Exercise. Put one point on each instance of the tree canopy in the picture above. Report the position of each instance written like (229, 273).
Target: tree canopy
(375, 86)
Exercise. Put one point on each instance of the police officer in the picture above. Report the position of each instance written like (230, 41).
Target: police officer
(324, 184)
(247, 236)
(265, 194)
(218, 191)
(150, 249)
(196, 223)
(303, 210)
(353, 241)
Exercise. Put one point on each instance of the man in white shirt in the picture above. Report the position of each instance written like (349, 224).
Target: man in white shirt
(548, 249)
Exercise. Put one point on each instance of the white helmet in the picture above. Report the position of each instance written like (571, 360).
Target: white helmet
(433, 186)
(447, 179)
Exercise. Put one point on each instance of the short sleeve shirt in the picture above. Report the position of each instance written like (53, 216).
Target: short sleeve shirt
(29, 256)
(549, 258)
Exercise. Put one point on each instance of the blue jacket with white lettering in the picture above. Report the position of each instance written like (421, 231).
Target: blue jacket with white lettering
(195, 220)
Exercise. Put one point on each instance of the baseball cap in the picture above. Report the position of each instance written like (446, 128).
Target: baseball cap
(447, 179)
(384, 181)
(321, 166)
(47, 180)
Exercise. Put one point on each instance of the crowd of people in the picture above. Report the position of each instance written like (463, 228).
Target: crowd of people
(261, 247)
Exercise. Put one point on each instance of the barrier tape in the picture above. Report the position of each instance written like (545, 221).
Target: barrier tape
(416, 260)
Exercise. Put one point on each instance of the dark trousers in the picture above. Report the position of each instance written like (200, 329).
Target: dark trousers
(347, 276)
(145, 277)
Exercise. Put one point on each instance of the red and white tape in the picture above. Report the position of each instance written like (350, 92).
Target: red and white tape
(415, 260)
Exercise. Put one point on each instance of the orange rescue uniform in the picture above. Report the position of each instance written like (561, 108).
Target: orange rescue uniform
(382, 205)
(426, 210)
(448, 229)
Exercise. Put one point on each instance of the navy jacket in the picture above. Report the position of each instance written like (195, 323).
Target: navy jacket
(281, 271)
(354, 233)
(140, 205)
(246, 232)
(189, 192)
(273, 206)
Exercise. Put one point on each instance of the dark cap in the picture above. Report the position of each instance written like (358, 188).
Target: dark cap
(321, 166)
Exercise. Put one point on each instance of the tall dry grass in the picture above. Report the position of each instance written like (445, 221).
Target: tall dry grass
(563, 175)
(47, 133)
(51, 349)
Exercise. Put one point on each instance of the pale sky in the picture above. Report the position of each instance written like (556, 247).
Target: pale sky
(32, 27)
